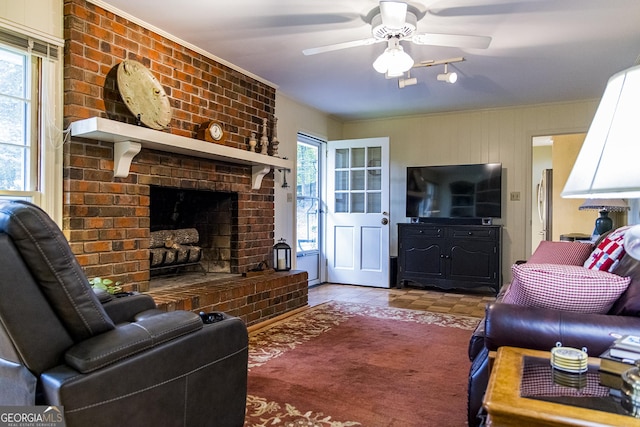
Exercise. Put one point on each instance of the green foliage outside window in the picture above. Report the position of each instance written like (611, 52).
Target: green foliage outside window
(14, 121)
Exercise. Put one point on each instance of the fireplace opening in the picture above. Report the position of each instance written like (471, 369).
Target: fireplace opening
(178, 212)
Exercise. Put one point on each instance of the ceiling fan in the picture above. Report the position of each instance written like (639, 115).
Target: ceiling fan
(396, 22)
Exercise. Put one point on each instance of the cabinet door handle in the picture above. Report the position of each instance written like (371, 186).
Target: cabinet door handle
(470, 233)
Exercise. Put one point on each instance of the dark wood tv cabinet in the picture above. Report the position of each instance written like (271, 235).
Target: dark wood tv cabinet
(450, 256)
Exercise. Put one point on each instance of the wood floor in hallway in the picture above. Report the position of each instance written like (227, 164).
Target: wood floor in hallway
(439, 301)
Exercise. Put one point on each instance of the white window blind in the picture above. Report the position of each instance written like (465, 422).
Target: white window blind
(29, 44)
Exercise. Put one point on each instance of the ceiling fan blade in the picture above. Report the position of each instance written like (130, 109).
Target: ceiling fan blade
(338, 46)
(497, 8)
(393, 14)
(452, 40)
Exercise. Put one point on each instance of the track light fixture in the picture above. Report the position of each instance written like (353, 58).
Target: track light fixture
(409, 81)
(449, 77)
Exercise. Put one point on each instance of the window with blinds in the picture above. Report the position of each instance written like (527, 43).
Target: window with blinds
(22, 102)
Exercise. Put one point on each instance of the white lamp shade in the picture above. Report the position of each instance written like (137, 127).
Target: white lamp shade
(400, 64)
(381, 64)
(608, 163)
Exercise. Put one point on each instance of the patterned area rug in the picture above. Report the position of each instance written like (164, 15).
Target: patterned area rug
(346, 364)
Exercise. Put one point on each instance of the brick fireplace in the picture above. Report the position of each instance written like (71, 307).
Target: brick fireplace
(111, 218)
(108, 219)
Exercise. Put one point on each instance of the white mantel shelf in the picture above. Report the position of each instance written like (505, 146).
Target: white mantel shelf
(129, 139)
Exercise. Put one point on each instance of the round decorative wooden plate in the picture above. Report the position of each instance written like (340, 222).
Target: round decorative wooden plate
(143, 94)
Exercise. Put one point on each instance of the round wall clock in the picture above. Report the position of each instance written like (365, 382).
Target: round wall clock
(143, 94)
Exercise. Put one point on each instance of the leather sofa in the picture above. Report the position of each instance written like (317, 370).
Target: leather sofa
(108, 361)
(541, 328)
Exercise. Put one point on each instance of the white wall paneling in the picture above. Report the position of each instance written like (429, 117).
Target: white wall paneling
(492, 135)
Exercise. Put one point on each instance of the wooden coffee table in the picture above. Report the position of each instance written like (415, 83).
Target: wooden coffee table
(507, 407)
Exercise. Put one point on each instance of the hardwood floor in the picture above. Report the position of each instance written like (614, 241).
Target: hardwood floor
(440, 301)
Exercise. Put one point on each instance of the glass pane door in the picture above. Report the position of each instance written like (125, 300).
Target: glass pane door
(358, 183)
(357, 219)
(307, 210)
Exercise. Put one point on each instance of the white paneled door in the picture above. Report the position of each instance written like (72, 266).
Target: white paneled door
(358, 212)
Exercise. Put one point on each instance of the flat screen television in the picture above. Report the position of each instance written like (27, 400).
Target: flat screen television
(454, 191)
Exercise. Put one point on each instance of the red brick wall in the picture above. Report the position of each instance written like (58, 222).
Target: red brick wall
(106, 219)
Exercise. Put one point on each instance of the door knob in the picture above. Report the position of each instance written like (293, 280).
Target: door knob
(384, 221)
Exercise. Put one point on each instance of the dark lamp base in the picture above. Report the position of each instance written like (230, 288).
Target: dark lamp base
(603, 223)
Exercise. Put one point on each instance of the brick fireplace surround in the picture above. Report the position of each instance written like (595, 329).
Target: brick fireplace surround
(106, 219)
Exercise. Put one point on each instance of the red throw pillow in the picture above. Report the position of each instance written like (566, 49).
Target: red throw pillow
(568, 253)
(609, 252)
(564, 287)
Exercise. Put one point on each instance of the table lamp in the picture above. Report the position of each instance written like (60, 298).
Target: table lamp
(607, 165)
(606, 168)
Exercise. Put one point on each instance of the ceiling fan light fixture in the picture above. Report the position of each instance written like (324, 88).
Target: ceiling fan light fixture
(394, 61)
(400, 65)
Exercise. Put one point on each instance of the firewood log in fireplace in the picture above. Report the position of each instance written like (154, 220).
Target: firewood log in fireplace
(174, 248)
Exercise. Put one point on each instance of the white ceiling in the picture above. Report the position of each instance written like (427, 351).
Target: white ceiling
(541, 51)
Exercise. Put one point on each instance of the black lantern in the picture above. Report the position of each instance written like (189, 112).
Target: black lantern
(282, 256)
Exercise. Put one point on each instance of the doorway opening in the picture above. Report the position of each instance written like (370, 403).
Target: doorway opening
(358, 212)
(309, 207)
(552, 217)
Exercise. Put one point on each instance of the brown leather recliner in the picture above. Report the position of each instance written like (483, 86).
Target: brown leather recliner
(114, 362)
(541, 328)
